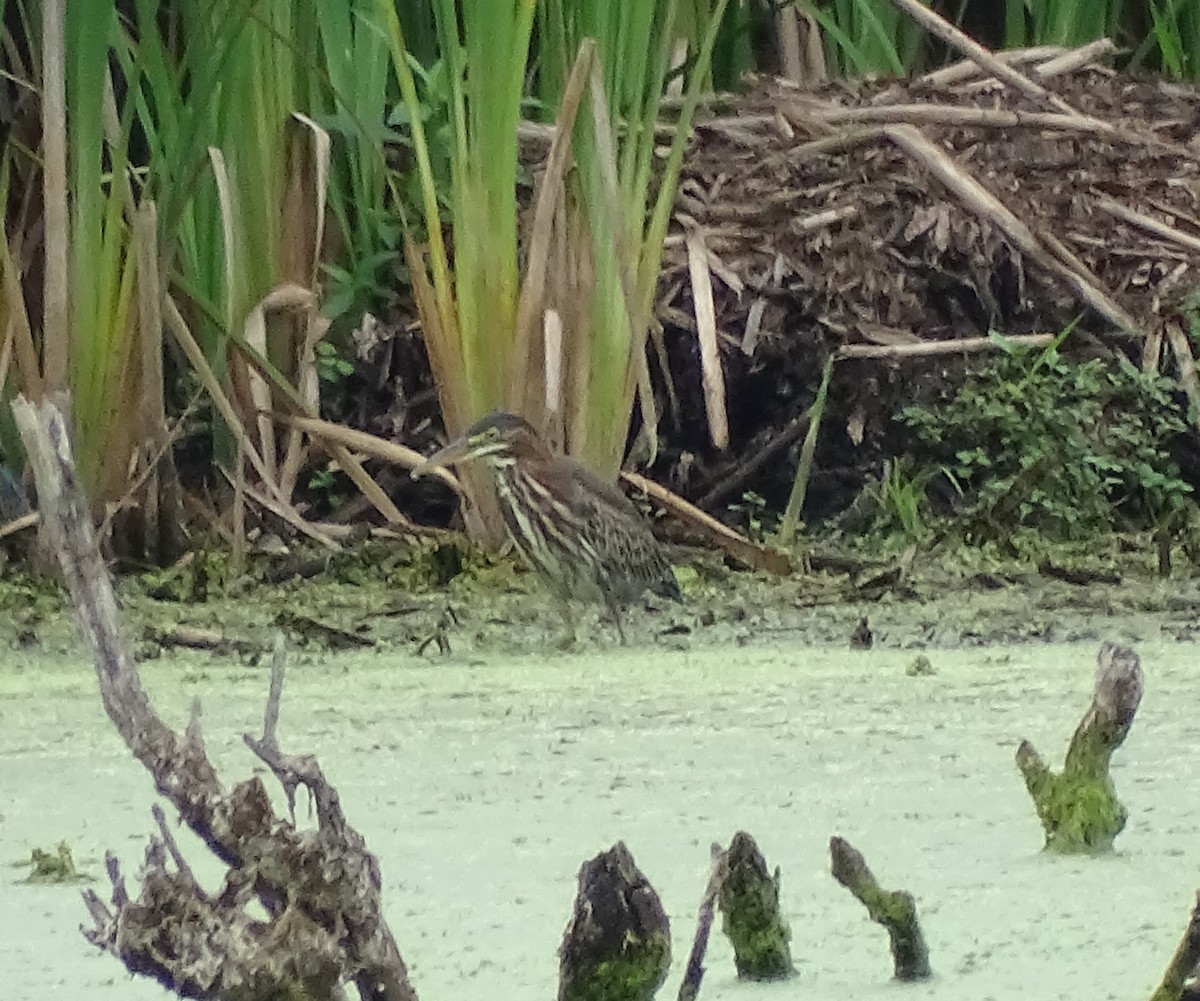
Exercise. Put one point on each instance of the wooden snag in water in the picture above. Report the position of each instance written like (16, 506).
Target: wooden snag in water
(1180, 981)
(319, 888)
(617, 946)
(1078, 808)
(749, 902)
(693, 974)
(896, 910)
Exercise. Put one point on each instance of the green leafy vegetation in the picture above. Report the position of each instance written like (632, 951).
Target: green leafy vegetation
(1068, 448)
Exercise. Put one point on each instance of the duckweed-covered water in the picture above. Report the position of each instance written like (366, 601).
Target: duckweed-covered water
(482, 785)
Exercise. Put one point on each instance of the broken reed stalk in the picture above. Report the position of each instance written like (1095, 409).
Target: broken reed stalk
(924, 349)
(1079, 809)
(319, 889)
(896, 910)
(791, 514)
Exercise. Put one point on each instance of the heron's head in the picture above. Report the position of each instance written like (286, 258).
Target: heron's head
(500, 439)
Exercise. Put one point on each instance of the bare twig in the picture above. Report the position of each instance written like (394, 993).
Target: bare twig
(925, 349)
(693, 974)
(722, 536)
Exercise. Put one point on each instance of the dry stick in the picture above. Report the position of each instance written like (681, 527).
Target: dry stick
(734, 543)
(953, 115)
(1075, 59)
(1187, 366)
(948, 33)
(208, 379)
(706, 329)
(964, 69)
(981, 201)
(1148, 223)
(1183, 964)
(284, 511)
(362, 441)
(963, 345)
(693, 974)
(13, 297)
(239, 508)
(758, 458)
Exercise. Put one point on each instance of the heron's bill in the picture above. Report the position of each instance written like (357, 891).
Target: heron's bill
(456, 451)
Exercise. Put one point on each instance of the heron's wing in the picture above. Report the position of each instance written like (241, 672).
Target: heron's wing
(585, 483)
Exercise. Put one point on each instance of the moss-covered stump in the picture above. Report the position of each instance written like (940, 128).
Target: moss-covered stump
(894, 909)
(749, 902)
(617, 946)
(1078, 808)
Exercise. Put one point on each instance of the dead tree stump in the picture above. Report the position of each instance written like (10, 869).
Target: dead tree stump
(1078, 808)
(894, 909)
(749, 902)
(617, 946)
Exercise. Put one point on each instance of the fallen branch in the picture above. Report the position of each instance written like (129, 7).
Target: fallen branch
(319, 889)
(722, 536)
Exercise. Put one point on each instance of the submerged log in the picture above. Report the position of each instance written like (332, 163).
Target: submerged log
(896, 910)
(299, 913)
(1078, 808)
(749, 901)
(617, 946)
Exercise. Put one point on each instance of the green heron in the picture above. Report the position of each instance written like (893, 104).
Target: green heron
(580, 534)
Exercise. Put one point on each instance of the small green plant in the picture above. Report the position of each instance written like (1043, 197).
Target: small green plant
(901, 501)
(331, 366)
(753, 514)
(1065, 448)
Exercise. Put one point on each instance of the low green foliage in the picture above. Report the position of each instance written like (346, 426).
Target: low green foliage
(1068, 449)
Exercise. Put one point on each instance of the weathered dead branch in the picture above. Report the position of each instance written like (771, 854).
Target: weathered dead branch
(896, 910)
(1179, 980)
(693, 974)
(320, 888)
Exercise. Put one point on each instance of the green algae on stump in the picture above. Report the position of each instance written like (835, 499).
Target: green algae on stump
(894, 909)
(617, 946)
(749, 902)
(1078, 808)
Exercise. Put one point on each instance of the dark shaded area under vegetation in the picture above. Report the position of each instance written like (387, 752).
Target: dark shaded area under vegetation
(824, 235)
